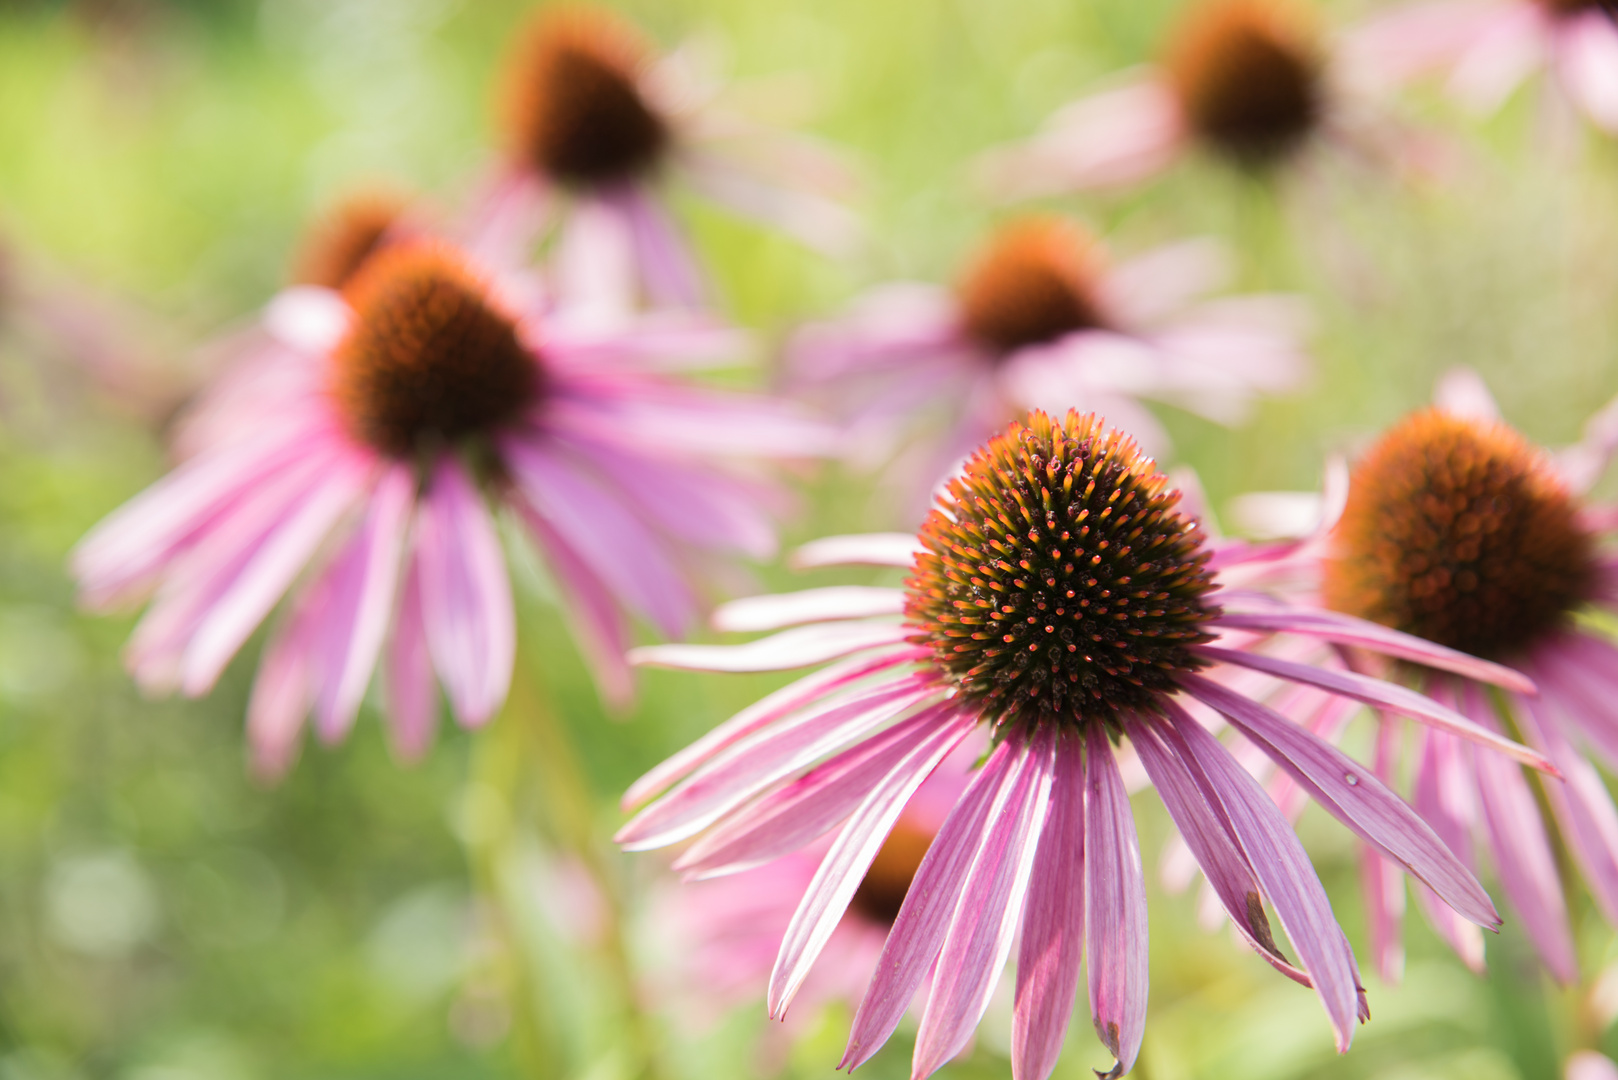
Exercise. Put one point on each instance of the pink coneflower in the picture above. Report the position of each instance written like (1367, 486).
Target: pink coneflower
(1039, 319)
(595, 121)
(1059, 600)
(413, 399)
(1459, 530)
(1250, 81)
(1590, 1065)
(1486, 48)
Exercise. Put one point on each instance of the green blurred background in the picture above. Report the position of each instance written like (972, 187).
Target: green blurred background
(162, 917)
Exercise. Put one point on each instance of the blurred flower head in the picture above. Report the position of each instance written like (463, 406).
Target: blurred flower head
(408, 409)
(1059, 600)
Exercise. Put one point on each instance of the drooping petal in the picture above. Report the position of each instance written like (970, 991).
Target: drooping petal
(980, 934)
(765, 758)
(1053, 924)
(844, 866)
(807, 606)
(789, 649)
(918, 931)
(409, 689)
(1115, 933)
(283, 689)
(1283, 869)
(1589, 66)
(862, 549)
(465, 595)
(1382, 695)
(1354, 796)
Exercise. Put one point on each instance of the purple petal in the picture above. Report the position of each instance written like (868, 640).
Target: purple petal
(765, 758)
(597, 622)
(1115, 932)
(670, 272)
(923, 920)
(845, 865)
(1381, 695)
(410, 692)
(1283, 869)
(767, 710)
(283, 689)
(795, 648)
(980, 934)
(465, 595)
(1347, 630)
(1354, 796)
(1053, 924)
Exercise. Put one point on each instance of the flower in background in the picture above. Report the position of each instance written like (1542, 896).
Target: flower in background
(1457, 529)
(1590, 1065)
(1252, 81)
(596, 121)
(414, 398)
(1060, 602)
(1041, 320)
(1486, 48)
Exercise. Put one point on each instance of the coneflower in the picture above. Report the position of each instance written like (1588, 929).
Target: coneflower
(1060, 602)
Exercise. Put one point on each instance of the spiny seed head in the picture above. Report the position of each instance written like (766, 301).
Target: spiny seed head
(1248, 75)
(1457, 530)
(348, 234)
(576, 112)
(428, 357)
(1057, 581)
(882, 891)
(1034, 283)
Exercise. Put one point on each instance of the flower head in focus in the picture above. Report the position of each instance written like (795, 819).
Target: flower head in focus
(410, 408)
(1457, 529)
(596, 122)
(1250, 81)
(1484, 49)
(1059, 601)
(1041, 319)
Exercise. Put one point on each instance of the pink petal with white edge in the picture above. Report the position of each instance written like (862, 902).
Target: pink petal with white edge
(1383, 695)
(766, 758)
(1115, 932)
(845, 865)
(929, 905)
(795, 648)
(267, 574)
(1353, 795)
(362, 582)
(798, 814)
(1242, 613)
(1053, 924)
(606, 534)
(465, 595)
(1589, 1065)
(1282, 867)
(1112, 138)
(1206, 831)
(598, 624)
(1522, 850)
(807, 606)
(864, 549)
(1589, 66)
(410, 692)
(767, 710)
(986, 917)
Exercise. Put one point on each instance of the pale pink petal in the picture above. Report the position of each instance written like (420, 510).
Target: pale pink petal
(986, 916)
(409, 690)
(798, 814)
(1589, 66)
(595, 264)
(465, 595)
(1462, 392)
(794, 648)
(1353, 795)
(283, 689)
(807, 606)
(1582, 464)
(1590, 1065)
(363, 580)
(844, 866)
(924, 917)
(1406, 42)
(864, 549)
(667, 267)
(1149, 287)
(767, 710)
(311, 319)
(758, 762)
(1282, 867)
(1444, 793)
(1112, 138)
(1115, 932)
(1383, 695)
(1053, 924)
(1501, 55)
(598, 624)
(818, 222)
(1384, 894)
(1522, 851)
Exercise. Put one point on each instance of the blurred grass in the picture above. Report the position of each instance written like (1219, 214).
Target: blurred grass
(165, 919)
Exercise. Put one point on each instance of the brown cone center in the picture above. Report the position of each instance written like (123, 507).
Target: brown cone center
(428, 358)
(1034, 283)
(345, 238)
(886, 883)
